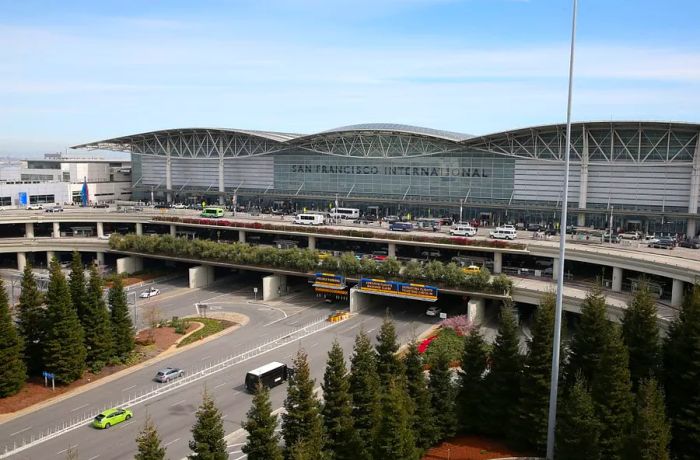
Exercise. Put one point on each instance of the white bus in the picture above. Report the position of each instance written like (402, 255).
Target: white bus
(309, 219)
(345, 213)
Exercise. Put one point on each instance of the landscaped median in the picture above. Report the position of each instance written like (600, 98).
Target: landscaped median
(308, 261)
(423, 238)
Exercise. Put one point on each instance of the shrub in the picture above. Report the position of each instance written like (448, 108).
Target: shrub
(448, 342)
(460, 324)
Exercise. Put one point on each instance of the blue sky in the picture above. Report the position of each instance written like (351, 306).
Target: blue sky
(77, 71)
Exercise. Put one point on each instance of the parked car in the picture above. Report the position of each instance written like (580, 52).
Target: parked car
(630, 235)
(179, 206)
(462, 230)
(433, 311)
(54, 209)
(692, 243)
(391, 219)
(506, 232)
(111, 417)
(162, 206)
(150, 293)
(34, 207)
(100, 205)
(168, 374)
(663, 243)
(534, 227)
(401, 227)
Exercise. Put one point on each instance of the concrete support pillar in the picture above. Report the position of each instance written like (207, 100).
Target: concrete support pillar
(168, 173)
(100, 258)
(222, 187)
(56, 230)
(583, 180)
(201, 276)
(173, 230)
(555, 268)
(677, 293)
(692, 230)
(312, 242)
(21, 260)
(361, 300)
(139, 228)
(497, 262)
(274, 286)
(241, 236)
(100, 230)
(617, 279)
(29, 230)
(694, 189)
(49, 255)
(130, 264)
(391, 249)
(581, 219)
(475, 310)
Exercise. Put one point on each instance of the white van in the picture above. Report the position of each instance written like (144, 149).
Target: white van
(462, 230)
(310, 219)
(345, 213)
(504, 233)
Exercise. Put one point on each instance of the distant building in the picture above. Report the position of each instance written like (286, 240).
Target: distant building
(60, 179)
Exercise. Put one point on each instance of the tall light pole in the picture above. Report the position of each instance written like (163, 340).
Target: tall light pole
(554, 382)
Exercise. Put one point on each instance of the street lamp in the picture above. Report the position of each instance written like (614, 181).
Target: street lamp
(554, 382)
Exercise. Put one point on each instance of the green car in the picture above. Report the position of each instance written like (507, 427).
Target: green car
(111, 417)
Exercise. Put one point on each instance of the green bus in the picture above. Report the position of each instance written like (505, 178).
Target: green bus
(212, 212)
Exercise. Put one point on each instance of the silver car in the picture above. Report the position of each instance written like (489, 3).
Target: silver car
(168, 374)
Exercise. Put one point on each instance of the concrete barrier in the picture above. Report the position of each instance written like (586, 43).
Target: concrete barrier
(201, 276)
(274, 286)
(130, 264)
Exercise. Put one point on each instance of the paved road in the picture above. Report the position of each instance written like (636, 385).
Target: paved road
(174, 412)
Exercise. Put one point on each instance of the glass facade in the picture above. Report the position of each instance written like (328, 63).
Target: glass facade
(480, 176)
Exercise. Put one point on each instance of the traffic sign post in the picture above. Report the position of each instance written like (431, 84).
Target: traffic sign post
(255, 293)
(47, 376)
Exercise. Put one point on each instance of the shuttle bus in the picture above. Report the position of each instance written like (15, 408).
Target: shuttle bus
(309, 219)
(212, 212)
(345, 213)
(269, 375)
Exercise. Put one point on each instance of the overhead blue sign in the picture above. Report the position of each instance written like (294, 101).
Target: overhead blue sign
(399, 289)
(23, 199)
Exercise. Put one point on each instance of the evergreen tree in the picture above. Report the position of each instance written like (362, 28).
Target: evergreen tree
(64, 350)
(149, 443)
(503, 381)
(529, 429)
(365, 393)
(122, 327)
(78, 287)
(342, 441)
(640, 332)
(611, 390)
(388, 364)
(31, 317)
(578, 429)
(681, 377)
(98, 329)
(423, 420)
(262, 442)
(471, 408)
(301, 423)
(208, 432)
(651, 432)
(394, 438)
(442, 397)
(590, 337)
(13, 371)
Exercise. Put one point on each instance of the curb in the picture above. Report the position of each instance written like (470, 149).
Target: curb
(173, 350)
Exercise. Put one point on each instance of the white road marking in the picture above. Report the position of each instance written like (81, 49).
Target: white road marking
(205, 357)
(178, 403)
(66, 450)
(79, 407)
(170, 442)
(123, 424)
(21, 431)
(239, 458)
(93, 458)
(220, 385)
(371, 330)
(235, 451)
(236, 444)
(314, 344)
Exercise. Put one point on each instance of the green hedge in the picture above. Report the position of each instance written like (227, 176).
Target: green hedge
(308, 260)
(211, 327)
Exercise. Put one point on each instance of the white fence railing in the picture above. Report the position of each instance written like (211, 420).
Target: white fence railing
(141, 396)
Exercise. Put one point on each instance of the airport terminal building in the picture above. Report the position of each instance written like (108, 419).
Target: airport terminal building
(646, 174)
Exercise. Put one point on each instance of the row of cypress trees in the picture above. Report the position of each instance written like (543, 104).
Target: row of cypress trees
(611, 405)
(65, 331)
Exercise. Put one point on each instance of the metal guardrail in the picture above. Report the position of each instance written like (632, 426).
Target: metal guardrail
(299, 333)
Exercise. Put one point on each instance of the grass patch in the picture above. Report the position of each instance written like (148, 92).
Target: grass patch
(211, 326)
